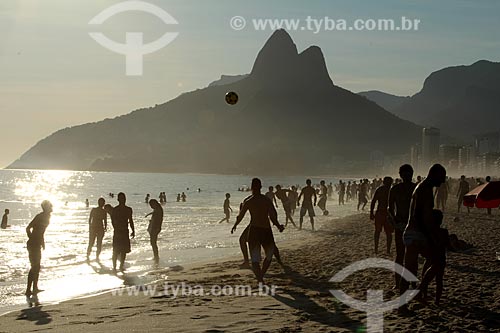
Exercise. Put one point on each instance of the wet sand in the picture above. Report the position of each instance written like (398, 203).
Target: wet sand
(302, 303)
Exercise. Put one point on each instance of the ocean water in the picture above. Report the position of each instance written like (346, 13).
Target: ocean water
(191, 232)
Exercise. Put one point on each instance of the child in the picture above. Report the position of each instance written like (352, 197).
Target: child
(437, 260)
(5, 219)
(227, 209)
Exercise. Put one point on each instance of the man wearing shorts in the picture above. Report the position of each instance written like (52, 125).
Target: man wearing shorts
(98, 223)
(308, 193)
(260, 233)
(121, 217)
(36, 242)
(285, 201)
(399, 211)
(381, 196)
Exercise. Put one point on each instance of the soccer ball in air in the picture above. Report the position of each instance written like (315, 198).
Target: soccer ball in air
(231, 98)
(325, 212)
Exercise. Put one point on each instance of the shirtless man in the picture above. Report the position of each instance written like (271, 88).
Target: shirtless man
(421, 233)
(121, 217)
(363, 194)
(36, 242)
(282, 194)
(323, 196)
(272, 196)
(399, 211)
(260, 233)
(308, 193)
(98, 223)
(381, 196)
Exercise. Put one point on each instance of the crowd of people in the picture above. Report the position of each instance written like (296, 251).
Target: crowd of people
(403, 209)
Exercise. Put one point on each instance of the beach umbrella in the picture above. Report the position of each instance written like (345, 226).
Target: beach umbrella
(484, 196)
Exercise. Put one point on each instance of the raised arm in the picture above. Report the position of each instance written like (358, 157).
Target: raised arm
(131, 221)
(392, 203)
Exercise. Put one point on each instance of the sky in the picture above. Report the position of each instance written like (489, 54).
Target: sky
(54, 75)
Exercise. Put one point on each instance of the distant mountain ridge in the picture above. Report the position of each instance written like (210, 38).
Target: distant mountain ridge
(385, 100)
(460, 100)
(291, 119)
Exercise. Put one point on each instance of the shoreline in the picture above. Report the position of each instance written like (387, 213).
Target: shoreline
(303, 302)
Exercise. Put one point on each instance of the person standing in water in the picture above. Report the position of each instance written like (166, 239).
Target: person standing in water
(98, 223)
(36, 242)
(183, 197)
(399, 211)
(308, 193)
(154, 227)
(5, 219)
(227, 209)
(260, 233)
(381, 196)
(121, 217)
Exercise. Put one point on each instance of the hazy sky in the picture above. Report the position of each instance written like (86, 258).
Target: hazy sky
(53, 75)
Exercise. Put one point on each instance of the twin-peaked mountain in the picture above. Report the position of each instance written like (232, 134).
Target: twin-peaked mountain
(290, 119)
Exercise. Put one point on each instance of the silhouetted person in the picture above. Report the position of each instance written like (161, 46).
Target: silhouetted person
(308, 193)
(178, 197)
(146, 200)
(282, 195)
(98, 223)
(121, 217)
(463, 189)
(442, 196)
(270, 194)
(293, 196)
(488, 179)
(36, 242)
(5, 219)
(399, 211)
(227, 209)
(323, 196)
(437, 264)
(154, 227)
(421, 233)
(342, 190)
(381, 196)
(363, 194)
(183, 197)
(260, 234)
(87, 203)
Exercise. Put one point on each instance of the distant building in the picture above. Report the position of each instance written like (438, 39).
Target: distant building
(449, 156)
(431, 138)
(488, 164)
(487, 143)
(466, 158)
(416, 156)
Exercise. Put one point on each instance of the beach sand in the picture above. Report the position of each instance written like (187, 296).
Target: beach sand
(302, 303)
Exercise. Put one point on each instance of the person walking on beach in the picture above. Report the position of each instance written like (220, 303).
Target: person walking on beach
(308, 193)
(323, 196)
(421, 232)
(98, 223)
(363, 194)
(399, 211)
(121, 217)
(342, 189)
(259, 233)
(442, 196)
(463, 189)
(281, 194)
(272, 196)
(227, 209)
(381, 196)
(292, 199)
(36, 242)
(5, 219)
(154, 227)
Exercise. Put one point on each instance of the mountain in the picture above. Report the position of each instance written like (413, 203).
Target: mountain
(460, 100)
(227, 79)
(290, 119)
(385, 100)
